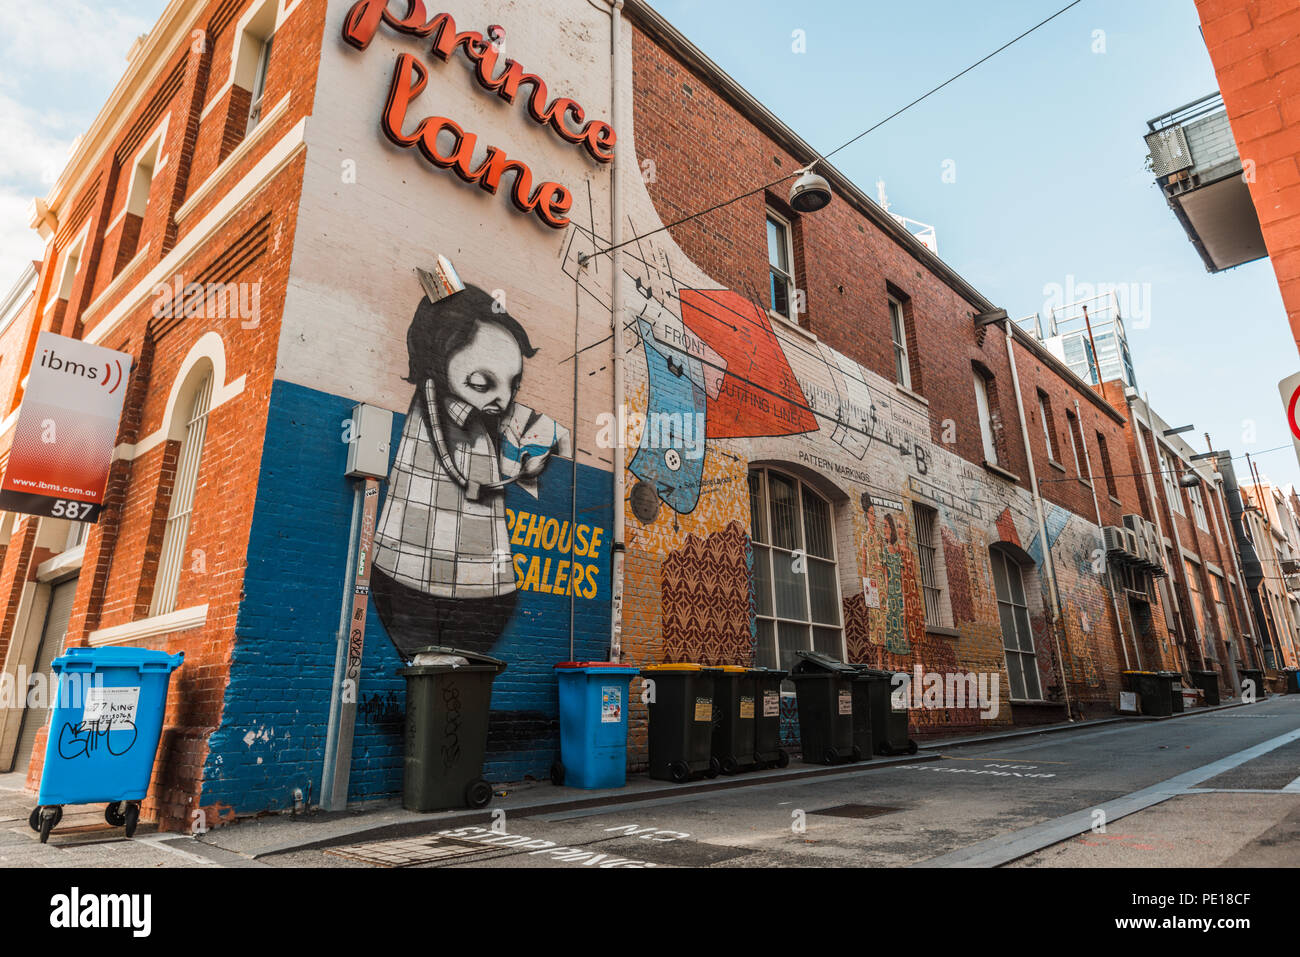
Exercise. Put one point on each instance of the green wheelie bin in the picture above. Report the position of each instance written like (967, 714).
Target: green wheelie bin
(448, 698)
(825, 690)
(768, 752)
(888, 724)
(734, 718)
(681, 721)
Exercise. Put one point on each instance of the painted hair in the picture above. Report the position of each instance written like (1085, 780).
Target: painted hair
(441, 329)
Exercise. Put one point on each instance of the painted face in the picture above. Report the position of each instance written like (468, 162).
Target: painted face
(486, 372)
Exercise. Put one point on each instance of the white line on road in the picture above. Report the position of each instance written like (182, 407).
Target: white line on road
(1009, 847)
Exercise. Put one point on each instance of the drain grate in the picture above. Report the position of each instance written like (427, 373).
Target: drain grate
(406, 852)
(857, 811)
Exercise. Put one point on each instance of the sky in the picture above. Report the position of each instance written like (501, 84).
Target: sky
(1031, 168)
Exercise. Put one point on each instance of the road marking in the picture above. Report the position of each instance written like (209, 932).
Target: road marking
(1005, 848)
(1293, 787)
(949, 757)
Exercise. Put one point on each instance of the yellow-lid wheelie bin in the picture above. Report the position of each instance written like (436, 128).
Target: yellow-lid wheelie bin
(681, 721)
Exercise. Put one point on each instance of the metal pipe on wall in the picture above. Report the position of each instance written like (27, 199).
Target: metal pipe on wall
(1110, 578)
(616, 327)
(1042, 524)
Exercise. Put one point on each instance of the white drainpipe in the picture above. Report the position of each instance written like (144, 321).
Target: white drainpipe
(616, 325)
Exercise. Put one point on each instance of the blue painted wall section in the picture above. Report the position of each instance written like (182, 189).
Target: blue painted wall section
(272, 736)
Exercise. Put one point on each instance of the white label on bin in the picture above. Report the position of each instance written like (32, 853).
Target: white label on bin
(846, 702)
(611, 704)
(109, 706)
(771, 704)
(746, 707)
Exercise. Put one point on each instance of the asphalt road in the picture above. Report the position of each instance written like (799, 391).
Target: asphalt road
(1220, 788)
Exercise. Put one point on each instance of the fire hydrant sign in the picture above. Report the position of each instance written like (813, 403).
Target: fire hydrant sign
(67, 427)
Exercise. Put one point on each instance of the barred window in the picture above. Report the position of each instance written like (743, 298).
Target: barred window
(172, 557)
(1017, 636)
(796, 583)
(924, 520)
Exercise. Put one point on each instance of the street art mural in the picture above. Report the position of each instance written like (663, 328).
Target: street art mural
(444, 572)
(747, 390)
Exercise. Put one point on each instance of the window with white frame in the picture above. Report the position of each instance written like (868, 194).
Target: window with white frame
(1075, 436)
(1049, 423)
(253, 59)
(1017, 636)
(796, 584)
(172, 557)
(1169, 474)
(780, 266)
(986, 418)
(898, 331)
(925, 522)
(1198, 507)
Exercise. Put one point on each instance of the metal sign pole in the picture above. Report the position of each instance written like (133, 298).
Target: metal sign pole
(338, 795)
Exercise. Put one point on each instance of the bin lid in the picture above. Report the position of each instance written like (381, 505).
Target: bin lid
(814, 661)
(731, 668)
(776, 673)
(473, 657)
(116, 656)
(1137, 672)
(606, 667)
(870, 671)
(674, 666)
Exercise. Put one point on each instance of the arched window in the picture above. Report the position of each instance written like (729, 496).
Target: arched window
(196, 400)
(795, 579)
(1017, 636)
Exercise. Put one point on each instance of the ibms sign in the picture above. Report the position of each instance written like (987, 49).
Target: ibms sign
(67, 427)
(442, 141)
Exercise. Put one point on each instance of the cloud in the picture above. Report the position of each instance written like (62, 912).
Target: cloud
(59, 60)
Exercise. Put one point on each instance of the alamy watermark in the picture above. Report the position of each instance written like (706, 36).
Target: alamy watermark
(213, 300)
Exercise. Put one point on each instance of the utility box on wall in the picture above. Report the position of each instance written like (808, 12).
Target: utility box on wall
(371, 439)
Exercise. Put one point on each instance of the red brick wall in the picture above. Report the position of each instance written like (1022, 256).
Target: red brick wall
(1255, 47)
(120, 562)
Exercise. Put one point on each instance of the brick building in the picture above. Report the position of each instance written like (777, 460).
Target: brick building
(1255, 48)
(834, 441)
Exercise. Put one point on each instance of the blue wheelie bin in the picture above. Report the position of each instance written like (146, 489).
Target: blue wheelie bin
(593, 724)
(105, 724)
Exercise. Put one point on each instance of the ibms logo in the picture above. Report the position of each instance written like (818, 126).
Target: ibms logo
(110, 378)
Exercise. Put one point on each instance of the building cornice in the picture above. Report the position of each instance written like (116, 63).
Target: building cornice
(169, 34)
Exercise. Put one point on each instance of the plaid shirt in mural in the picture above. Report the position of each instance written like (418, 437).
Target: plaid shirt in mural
(443, 527)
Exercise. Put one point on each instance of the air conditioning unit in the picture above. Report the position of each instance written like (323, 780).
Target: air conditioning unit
(1131, 544)
(1154, 550)
(1113, 538)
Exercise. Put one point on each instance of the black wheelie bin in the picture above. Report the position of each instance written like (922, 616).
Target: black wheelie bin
(825, 690)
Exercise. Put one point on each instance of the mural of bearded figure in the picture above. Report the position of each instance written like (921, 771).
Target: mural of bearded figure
(443, 569)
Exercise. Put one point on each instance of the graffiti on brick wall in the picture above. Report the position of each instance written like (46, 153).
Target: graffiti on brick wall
(444, 570)
(708, 599)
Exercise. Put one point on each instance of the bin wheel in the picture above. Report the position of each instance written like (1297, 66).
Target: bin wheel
(113, 815)
(680, 770)
(830, 756)
(34, 819)
(478, 794)
(557, 773)
(49, 819)
(715, 766)
(782, 758)
(761, 762)
(131, 818)
(730, 765)
(857, 753)
(912, 747)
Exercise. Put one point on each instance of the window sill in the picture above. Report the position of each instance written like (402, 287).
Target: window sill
(239, 152)
(1085, 483)
(61, 565)
(1056, 465)
(792, 325)
(943, 631)
(999, 470)
(1116, 501)
(182, 619)
(914, 396)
